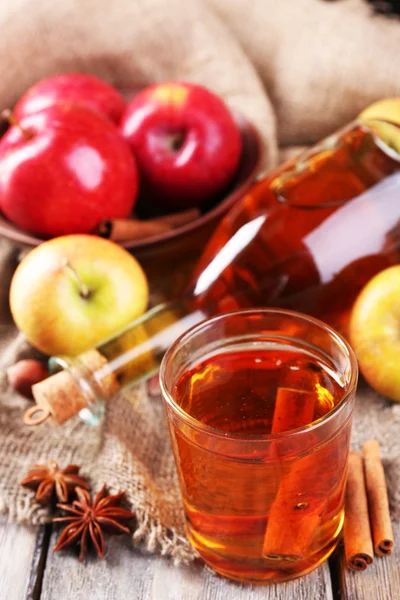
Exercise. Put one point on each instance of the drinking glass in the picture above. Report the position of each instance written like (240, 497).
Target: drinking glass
(259, 405)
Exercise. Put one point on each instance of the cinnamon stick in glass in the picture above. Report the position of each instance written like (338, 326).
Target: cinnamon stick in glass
(292, 523)
(382, 532)
(293, 409)
(294, 519)
(123, 230)
(359, 551)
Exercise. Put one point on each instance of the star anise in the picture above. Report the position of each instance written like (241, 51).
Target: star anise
(49, 481)
(88, 520)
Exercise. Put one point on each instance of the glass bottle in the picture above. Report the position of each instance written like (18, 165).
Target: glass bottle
(307, 236)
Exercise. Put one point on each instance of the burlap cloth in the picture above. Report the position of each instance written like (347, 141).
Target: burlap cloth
(299, 69)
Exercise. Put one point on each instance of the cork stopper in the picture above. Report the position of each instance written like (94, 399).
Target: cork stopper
(58, 398)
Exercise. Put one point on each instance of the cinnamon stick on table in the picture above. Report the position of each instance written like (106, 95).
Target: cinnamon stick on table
(359, 551)
(381, 525)
(123, 230)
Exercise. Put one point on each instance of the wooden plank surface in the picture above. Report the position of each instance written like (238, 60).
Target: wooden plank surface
(127, 573)
(381, 581)
(17, 545)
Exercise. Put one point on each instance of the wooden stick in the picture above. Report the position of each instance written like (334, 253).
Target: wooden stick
(357, 532)
(8, 116)
(123, 230)
(378, 502)
(293, 409)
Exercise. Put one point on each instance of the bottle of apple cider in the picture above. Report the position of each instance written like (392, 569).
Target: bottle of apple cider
(307, 236)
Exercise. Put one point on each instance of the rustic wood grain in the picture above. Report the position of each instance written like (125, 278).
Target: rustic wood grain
(127, 573)
(17, 544)
(381, 580)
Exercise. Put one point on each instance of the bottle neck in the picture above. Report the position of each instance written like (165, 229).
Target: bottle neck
(136, 354)
(128, 358)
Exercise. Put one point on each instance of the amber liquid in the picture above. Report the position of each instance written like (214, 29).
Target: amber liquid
(261, 510)
(309, 236)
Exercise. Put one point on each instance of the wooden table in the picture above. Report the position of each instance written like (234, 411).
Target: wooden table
(29, 571)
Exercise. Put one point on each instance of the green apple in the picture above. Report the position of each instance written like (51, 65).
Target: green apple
(71, 292)
(375, 332)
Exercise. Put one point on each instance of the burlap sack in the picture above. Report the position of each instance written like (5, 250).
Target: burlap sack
(317, 63)
(321, 62)
(306, 58)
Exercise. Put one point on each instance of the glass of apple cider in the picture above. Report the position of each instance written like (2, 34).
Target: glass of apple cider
(259, 405)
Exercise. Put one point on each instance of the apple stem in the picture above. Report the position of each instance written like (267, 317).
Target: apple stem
(176, 141)
(8, 116)
(83, 288)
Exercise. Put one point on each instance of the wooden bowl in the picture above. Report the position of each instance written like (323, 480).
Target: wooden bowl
(183, 244)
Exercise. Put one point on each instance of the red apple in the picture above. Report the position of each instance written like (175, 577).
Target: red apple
(72, 88)
(64, 170)
(185, 140)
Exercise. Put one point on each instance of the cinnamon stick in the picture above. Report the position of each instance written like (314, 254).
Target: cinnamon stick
(382, 532)
(359, 551)
(295, 514)
(123, 230)
(293, 408)
(289, 533)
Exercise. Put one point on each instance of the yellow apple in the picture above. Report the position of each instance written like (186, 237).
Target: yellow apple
(71, 292)
(375, 332)
(387, 109)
